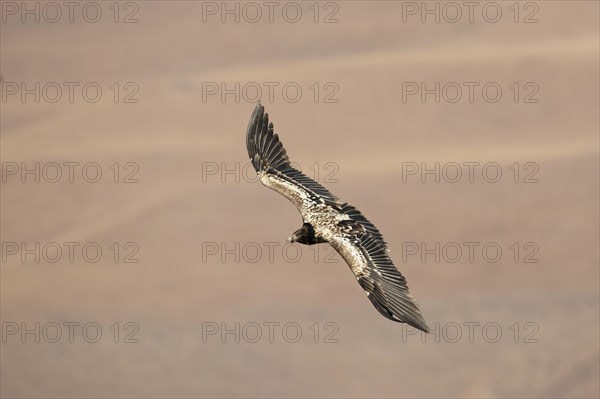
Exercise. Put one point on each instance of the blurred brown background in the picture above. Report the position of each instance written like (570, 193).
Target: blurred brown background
(183, 217)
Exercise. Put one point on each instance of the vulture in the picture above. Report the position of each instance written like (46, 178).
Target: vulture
(328, 220)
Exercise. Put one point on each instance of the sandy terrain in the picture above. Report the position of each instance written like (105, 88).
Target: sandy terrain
(523, 323)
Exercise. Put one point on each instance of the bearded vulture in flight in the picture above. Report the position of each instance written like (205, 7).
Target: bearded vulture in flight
(328, 220)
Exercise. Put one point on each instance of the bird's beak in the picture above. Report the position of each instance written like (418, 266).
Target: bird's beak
(289, 240)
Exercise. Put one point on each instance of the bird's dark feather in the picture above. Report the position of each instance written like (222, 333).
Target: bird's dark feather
(389, 291)
(268, 155)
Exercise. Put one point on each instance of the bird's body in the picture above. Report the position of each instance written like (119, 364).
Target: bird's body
(327, 220)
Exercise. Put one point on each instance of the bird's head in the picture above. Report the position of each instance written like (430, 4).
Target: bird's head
(297, 236)
(304, 235)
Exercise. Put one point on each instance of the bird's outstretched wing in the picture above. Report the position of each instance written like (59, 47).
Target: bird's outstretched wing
(274, 169)
(357, 240)
(362, 246)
